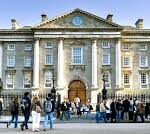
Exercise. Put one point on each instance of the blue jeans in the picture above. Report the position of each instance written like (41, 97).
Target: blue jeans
(12, 119)
(97, 117)
(50, 117)
(67, 115)
(118, 116)
(103, 115)
(26, 119)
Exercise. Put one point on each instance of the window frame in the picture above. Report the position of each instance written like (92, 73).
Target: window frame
(10, 48)
(49, 74)
(124, 48)
(48, 47)
(51, 59)
(9, 62)
(26, 58)
(146, 59)
(28, 47)
(108, 63)
(27, 84)
(127, 57)
(104, 45)
(141, 49)
(81, 56)
(12, 82)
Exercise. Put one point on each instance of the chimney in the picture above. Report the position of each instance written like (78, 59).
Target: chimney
(44, 17)
(14, 24)
(109, 17)
(139, 24)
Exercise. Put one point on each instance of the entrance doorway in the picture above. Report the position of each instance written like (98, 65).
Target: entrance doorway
(77, 89)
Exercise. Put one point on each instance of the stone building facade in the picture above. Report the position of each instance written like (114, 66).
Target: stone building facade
(78, 48)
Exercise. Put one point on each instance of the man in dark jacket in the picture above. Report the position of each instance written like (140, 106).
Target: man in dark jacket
(25, 107)
(126, 105)
(49, 106)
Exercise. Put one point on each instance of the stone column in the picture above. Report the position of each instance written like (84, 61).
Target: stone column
(94, 63)
(1, 59)
(60, 64)
(118, 64)
(36, 64)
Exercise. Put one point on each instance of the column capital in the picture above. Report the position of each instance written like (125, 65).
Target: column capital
(37, 39)
(94, 40)
(60, 38)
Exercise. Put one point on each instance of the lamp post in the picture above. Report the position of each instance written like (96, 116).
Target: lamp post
(104, 91)
(1, 86)
(53, 90)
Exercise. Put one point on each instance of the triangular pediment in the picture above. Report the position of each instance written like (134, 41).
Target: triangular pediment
(77, 19)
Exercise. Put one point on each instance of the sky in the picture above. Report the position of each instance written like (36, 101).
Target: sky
(28, 12)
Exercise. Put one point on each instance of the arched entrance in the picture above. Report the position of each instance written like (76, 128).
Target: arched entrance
(77, 89)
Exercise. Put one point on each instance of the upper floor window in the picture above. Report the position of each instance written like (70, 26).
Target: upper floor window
(144, 80)
(11, 61)
(143, 47)
(105, 44)
(10, 80)
(48, 45)
(143, 61)
(27, 61)
(125, 47)
(126, 62)
(106, 59)
(126, 78)
(27, 79)
(28, 47)
(77, 55)
(48, 59)
(48, 79)
(11, 47)
(107, 78)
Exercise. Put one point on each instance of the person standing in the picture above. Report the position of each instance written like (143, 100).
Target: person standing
(36, 109)
(14, 110)
(103, 111)
(97, 112)
(25, 107)
(1, 108)
(49, 106)
(126, 105)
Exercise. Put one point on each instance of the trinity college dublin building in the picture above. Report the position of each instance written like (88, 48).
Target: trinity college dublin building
(80, 50)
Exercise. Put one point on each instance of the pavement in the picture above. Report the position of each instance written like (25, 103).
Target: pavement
(86, 128)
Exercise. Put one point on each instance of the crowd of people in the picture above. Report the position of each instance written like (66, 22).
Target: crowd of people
(125, 109)
(106, 110)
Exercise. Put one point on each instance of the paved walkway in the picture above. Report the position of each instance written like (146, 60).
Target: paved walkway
(87, 128)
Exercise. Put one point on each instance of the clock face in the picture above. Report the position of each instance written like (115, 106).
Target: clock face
(77, 21)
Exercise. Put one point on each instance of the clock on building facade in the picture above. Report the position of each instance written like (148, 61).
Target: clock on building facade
(77, 21)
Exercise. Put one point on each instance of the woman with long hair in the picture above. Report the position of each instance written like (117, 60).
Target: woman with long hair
(36, 110)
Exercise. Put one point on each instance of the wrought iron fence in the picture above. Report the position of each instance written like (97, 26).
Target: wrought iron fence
(143, 97)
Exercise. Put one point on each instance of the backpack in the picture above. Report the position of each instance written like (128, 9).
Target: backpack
(24, 104)
(48, 106)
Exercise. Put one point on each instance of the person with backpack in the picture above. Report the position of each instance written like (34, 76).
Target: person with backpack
(25, 107)
(49, 106)
(14, 110)
(36, 109)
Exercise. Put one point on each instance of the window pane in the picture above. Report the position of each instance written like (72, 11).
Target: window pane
(77, 55)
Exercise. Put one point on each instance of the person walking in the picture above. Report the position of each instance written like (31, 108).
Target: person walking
(36, 109)
(25, 107)
(14, 110)
(49, 106)
(103, 110)
(97, 112)
(1, 108)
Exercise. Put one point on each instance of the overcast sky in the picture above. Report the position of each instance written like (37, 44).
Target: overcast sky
(28, 12)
